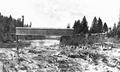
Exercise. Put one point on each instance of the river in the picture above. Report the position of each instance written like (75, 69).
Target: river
(45, 42)
(47, 56)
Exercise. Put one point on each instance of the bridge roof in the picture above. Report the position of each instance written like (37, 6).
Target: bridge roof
(38, 28)
(42, 31)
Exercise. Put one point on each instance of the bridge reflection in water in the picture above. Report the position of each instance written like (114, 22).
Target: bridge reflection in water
(42, 33)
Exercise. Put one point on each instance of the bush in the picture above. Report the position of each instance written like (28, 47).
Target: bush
(79, 40)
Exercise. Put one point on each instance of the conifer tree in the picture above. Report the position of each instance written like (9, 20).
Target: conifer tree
(93, 28)
(118, 29)
(118, 32)
(7, 27)
(118, 24)
(84, 25)
(105, 27)
(114, 30)
(77, 27)
(114, 27)
(68, 26)
(99, 26)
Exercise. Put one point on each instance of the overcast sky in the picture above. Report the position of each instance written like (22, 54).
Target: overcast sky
(59, 13)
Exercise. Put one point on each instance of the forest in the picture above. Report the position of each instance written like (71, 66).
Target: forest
(98, 26)
(7, 27)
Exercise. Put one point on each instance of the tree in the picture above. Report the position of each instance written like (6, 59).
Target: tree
(105, 27)
(114, 30)
(10, 18)
(118, 32)
(118, 29)
(77, 27)
(99, 26)
(7, 28)
(84, 25)
(114, 27)
(68, 26)
(30, 24)
(93, 28)
(6, 25)
(118, 24)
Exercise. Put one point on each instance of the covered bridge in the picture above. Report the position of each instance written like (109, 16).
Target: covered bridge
(37, 33)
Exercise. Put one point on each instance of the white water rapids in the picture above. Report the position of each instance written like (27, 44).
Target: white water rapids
(44, 42)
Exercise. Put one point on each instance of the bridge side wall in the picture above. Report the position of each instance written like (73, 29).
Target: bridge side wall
(45, 32)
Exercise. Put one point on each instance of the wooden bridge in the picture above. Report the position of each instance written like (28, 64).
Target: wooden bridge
(47, 32)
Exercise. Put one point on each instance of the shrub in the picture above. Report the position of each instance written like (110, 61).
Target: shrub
(79, 40)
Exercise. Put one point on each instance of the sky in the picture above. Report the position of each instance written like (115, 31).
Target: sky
(60, 13)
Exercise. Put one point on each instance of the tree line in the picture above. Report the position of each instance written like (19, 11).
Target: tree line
(8, 27)
(115, 31)
(98, 26)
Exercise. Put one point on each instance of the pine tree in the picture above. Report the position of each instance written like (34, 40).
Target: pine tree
(118, 32)
(10, 18)
(93, 28)
(114, 30)
(118, 24)
(105, 27)
(84, 25)
(6, 25)
(99, 26)
(114, 27)
(68, 26)
(77, 27)
(30, 24)
(118, 29)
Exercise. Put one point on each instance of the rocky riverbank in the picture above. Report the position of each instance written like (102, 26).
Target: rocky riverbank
(99, 57)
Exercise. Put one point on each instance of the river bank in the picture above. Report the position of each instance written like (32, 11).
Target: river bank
(14, 44)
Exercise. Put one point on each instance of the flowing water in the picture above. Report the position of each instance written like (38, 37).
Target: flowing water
(44, 42)
(47, 56)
